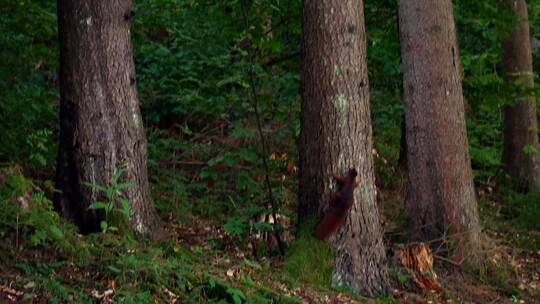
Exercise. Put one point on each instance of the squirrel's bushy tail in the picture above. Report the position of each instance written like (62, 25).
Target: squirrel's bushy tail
(329, 224)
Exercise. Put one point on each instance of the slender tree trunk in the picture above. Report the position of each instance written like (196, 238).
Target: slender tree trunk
(440, 199)
(520, 120)
(101, 129)
(336, 136)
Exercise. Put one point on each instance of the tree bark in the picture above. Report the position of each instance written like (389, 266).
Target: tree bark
(440, 202)
(520, 120)
(402, 160)
(336, 135)
(101, 129)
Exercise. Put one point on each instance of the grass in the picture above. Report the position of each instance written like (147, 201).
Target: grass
(309, 260)
(524, 210)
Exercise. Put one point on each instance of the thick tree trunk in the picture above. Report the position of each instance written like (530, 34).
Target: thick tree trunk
(520, 120)
(440, 199)
(336, 136)
(101, 129)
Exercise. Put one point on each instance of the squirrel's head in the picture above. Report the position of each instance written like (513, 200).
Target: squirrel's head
(352, 172)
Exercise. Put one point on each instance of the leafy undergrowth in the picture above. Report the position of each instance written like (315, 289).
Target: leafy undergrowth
(189, 268)
(213, 254)
(219, 254)
(219, 249)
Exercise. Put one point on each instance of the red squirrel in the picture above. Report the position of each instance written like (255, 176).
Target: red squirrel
(340, 204)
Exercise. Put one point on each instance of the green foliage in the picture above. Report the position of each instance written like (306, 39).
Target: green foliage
(309, 260)
(497, 274)
(151, 266)
(28, 81)
(14, 184)
(196, 68)
(220, 291)
(235, 226)
(55, 290)
(242, 224)
(25, 210)
(485, 147)
(115, 206)
(397, 275)
(195, 74)
(40, 154)
(43, 221)
(524, 210)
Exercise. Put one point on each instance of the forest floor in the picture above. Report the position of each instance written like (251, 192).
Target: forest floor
(203, 261)
(39, 275)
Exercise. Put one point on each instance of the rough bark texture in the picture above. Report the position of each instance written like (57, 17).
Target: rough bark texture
(101, 128)
(336, 136)
(440, 198)
(402, 160)
(520, 120)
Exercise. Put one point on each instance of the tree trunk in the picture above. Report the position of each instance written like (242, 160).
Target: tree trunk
(520, 120)
(101, 129)
(440, 200)
(402, 160)
(336, 136)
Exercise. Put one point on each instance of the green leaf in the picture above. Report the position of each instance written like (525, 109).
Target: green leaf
(212, 282)
(123, 186)
(38, 237)
(248, 155)
(216, 160)
(235, 226)
(114, 269)
(110, 192)
(235, 79)
(236, 294)
(208, 173)
(99, 205)
(56, 232)
(403, 278)
(530, 150)
(116, 176)
(97, 187)
(237, 299)
(242, 133)
(124, 207)
(252, 264)
(249, 281)
(262, 226)
(27, 269)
